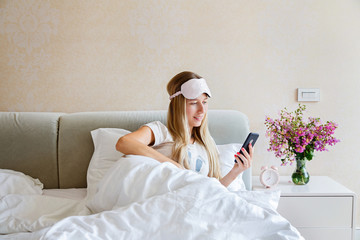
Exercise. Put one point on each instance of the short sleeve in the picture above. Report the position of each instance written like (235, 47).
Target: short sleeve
(160, 131)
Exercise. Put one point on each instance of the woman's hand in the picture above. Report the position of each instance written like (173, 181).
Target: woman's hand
(243, 161)
(239, 167)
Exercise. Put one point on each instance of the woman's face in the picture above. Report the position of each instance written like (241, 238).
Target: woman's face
(196, 110)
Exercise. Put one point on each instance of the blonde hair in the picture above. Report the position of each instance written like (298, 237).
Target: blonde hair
(177, 124)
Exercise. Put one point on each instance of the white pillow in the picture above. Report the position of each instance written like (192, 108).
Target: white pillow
(226, 158)
(14, 182)
(104, 156)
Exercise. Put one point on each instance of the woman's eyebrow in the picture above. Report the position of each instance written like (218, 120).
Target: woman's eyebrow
(198, 99)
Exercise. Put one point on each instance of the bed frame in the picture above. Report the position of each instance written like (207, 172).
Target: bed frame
(57, 147)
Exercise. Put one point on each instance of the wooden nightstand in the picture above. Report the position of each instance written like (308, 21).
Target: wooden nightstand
(322, 209)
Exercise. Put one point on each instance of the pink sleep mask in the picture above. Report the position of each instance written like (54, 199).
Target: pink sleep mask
(193, 88)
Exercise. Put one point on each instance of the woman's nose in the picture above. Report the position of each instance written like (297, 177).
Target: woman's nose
(201, 108)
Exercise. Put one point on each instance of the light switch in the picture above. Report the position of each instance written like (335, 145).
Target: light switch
(308, 94)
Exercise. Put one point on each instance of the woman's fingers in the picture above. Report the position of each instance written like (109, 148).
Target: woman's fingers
(246, 161)
(237, 158)
(242, 161)
(246, 154)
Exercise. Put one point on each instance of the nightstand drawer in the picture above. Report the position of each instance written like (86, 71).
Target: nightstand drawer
(326, 233)
(317, 211)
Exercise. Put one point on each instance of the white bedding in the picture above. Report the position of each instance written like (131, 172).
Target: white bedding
(140, 198)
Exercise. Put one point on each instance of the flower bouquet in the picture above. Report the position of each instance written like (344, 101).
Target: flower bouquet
(292, 138)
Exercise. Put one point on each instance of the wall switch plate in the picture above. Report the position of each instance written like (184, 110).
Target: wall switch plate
(308, 94)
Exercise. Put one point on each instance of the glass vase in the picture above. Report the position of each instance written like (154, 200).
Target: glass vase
(301, 175)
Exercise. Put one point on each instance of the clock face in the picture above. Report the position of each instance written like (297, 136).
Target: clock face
(269, 177)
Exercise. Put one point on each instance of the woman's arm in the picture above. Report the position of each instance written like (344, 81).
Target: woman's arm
(239, 167)
(137, 143)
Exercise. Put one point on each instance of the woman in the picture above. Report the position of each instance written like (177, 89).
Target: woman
(186, 141)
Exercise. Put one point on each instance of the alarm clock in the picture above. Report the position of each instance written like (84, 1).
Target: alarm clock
(269, 177)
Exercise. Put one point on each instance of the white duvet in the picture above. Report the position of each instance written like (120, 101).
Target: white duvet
(139, 198)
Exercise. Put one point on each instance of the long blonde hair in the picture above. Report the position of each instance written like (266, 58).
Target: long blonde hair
(177, 124)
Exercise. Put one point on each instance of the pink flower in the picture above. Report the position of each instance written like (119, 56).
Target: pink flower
(290, 135)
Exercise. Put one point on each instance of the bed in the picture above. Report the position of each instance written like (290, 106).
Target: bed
(61, 178)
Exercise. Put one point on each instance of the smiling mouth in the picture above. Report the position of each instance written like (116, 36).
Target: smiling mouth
(198, 118)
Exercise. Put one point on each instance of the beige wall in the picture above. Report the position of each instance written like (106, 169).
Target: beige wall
(81, 55)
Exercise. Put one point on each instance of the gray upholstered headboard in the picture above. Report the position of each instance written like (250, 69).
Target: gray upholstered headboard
(57, 147)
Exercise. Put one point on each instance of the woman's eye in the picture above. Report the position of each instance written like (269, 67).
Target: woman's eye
(204, 102)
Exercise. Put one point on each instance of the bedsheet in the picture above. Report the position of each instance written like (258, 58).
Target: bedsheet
(140, 198)
(23, 213)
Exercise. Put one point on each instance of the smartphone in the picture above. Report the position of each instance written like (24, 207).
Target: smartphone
(251, 138)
